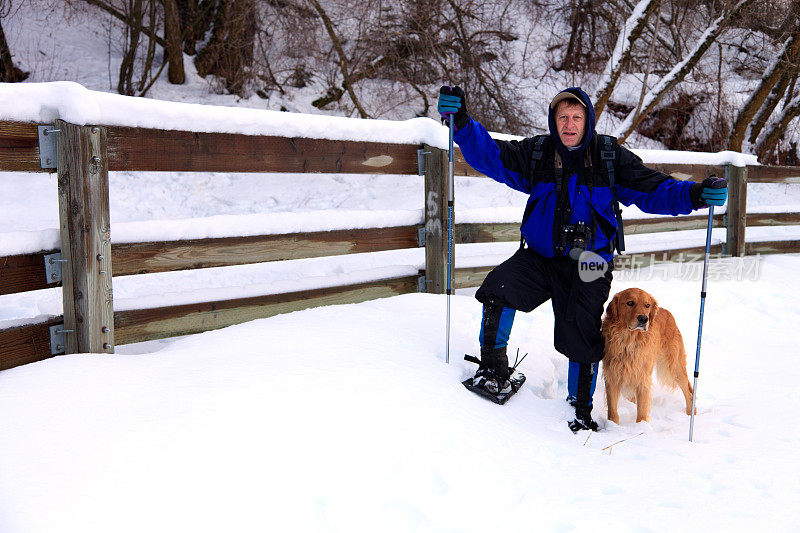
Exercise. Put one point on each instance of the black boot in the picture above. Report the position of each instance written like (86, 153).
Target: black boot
(583, 420)
(493, 371)
(583, 403)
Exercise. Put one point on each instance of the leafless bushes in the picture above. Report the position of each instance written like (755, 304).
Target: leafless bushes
(691, 57)
(698, 74)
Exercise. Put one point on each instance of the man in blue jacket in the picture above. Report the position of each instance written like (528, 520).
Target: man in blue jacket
(574, 178)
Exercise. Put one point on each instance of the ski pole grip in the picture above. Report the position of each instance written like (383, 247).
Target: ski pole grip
(715, 182)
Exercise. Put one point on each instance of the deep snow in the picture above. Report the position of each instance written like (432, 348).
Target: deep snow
(346, 418)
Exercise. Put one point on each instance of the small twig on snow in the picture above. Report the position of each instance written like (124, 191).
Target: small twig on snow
(623, 440)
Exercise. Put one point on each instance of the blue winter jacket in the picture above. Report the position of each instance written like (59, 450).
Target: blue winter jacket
(510, 162)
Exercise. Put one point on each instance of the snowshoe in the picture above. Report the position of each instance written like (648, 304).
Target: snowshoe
(486, 383)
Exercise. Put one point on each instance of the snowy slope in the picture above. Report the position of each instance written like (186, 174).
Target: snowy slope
(347, 419)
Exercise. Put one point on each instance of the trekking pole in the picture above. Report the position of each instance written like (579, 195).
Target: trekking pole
(702, 309)
(449, 237)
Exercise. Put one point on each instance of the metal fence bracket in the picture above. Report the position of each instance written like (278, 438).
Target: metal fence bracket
(58, 339)
(421, 232)
(421, 167)
(421, 284)
(47, 146)
(52, 267)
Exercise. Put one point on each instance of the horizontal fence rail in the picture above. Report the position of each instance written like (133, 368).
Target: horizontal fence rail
(22, 273)
(136, 149)
(145, 258)
(30, 343)
(142, 149)
(19, 147)
(149, 324)
(21, 345)
(91, 151)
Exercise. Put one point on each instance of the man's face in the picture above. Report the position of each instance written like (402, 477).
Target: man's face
(570, 122)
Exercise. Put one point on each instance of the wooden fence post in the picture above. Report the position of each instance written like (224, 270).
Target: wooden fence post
(436, 175)
(737, 210)
(85, 238)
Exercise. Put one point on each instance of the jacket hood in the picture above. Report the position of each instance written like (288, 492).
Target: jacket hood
(573, 157)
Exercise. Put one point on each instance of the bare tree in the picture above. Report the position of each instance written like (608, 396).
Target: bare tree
(344, 62)
(592, 24)
(229, 51)
(354, 48)
(132, 14)
(633, 29)
(478, 55)
(135, 10)
(778, 69)
(783, 89)
(768, 142)
(680, 70)
(174, 38)
(8, 71)
(120, 15)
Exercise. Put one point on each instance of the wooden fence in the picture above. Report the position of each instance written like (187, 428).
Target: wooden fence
(83, 156)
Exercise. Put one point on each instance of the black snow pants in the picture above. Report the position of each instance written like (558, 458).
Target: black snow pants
(527, 279)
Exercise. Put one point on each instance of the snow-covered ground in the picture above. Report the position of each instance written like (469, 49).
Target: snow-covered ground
(347, 419)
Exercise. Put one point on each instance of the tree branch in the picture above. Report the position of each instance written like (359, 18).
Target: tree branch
(127, 20)
(770, 139)
(622, 52)
(679, 71)
(343, 62)
(777, 69)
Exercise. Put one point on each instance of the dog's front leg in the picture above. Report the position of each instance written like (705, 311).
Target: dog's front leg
(612, 397)
(643, 400)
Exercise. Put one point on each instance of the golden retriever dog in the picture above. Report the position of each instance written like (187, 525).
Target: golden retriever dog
(640, 336)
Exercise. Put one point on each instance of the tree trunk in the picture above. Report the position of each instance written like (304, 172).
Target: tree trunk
(789, 54)
(151, 50)
(126, 68)
(343, 61)
(8, 72)
(679, 71)
(772, 101)
(126, 19)
(187, 9)
(622, 52)
(174, 39)
(770, 139)
(229, 52)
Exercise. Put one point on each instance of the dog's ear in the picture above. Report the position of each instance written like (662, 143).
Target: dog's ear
(653, 310)
(611, 310)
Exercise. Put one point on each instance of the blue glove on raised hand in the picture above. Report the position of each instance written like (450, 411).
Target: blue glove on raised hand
(452, 101)
(712, 191)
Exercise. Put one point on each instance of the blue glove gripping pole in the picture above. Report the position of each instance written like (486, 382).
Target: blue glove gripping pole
(700, 326)
(449, 237)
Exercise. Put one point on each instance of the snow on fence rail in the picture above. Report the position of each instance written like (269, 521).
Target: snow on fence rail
(83, 156)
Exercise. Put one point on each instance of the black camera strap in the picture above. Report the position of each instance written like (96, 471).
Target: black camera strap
(536, 158)
(608, 155)
(563, 209)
